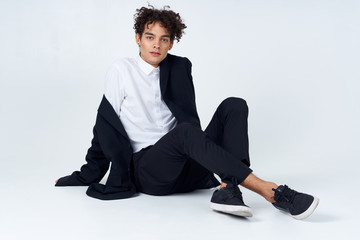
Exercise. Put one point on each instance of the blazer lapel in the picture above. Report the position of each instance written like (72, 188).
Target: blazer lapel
(164, 74)
(109, 114)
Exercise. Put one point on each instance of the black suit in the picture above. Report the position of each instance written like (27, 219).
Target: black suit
(187, 142)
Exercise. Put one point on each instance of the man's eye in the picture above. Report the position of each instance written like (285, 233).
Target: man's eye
(149, 37)
(165, 40)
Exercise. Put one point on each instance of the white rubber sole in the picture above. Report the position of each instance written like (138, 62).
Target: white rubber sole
(309, 211)
(242, 211)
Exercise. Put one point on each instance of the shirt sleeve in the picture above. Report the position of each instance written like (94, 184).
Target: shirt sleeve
(114, 88)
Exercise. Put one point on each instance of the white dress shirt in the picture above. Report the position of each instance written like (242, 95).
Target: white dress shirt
(132, 86)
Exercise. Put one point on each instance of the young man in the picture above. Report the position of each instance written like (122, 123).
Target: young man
(148, 128)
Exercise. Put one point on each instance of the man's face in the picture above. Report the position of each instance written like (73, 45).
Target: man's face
(154, 43)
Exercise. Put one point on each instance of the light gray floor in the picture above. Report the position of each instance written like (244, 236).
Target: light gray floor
(32, 208)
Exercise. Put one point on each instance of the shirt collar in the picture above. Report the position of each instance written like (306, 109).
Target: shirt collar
(146, 67)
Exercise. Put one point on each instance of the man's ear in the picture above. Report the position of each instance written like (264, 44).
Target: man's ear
(171, 44)
(137, 39)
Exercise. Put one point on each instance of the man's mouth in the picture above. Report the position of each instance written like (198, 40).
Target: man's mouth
(155, 53)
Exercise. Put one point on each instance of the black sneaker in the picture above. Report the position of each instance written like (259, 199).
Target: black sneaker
(298, 205)
(229, 200)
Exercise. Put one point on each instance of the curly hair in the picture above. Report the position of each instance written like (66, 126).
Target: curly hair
(168, 19)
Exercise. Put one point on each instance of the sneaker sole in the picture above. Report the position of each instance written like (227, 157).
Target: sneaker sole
(242, 211)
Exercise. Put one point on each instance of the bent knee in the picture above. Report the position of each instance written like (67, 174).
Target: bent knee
(234, 103)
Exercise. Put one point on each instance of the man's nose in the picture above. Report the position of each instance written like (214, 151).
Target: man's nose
(157, 44)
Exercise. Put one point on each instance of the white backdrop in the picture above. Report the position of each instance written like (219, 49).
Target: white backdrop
(295, 62)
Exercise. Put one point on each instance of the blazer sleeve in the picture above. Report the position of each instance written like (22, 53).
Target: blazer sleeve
(91, 172)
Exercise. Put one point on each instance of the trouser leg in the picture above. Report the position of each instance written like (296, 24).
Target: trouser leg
(228, 128)
(162, 169)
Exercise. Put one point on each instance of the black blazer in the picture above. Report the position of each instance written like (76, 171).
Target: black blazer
(111, 142)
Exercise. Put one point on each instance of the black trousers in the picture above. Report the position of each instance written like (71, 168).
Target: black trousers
(186, 157)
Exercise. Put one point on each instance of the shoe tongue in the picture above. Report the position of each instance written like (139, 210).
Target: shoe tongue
(278, 192)
(280, 188)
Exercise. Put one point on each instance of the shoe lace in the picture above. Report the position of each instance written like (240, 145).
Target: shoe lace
(286, 194)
